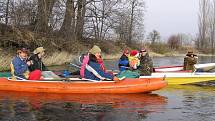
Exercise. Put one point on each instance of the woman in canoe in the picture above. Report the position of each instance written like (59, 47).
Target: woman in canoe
(19, 65)
(36, 67)
(93, 69)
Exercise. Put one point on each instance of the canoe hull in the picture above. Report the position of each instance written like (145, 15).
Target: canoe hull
(125, 86)
(168, 69)
(201, 67)
(205, 67)
(185, 78)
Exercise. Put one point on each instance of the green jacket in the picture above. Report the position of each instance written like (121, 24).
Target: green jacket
(189, 63)
(146, 65)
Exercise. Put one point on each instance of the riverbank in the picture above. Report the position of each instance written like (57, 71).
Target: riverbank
(56, 58)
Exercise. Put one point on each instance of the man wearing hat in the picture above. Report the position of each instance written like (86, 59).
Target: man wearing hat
(146, 64)
(37, 66)
(189, 60)
(19, 65)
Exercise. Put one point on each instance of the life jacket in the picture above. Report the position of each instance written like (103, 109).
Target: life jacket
(134, 62)
(83, 65)
(12, 70)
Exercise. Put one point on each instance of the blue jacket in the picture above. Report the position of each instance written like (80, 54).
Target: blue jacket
(20, 66)
(123, 63)
(97, 68)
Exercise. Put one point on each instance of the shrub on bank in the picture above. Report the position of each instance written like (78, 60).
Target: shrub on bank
(160, 48)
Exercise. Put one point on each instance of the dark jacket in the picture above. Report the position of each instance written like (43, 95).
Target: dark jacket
(123, 63)
(96, 66)
(146, 65)
(189, 63)
(20, 67)
(37, 63)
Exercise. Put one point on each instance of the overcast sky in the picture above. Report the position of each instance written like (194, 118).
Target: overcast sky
(172, 16)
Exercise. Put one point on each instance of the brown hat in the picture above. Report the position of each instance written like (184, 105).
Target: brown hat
(95, 50)
(190, 52)
(39, 50)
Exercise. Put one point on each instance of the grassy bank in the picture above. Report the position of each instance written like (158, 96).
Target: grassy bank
(56, 58)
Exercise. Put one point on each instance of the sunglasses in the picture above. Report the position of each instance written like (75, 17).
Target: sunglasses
(143, 51)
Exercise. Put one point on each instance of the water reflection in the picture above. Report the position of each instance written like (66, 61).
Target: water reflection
(77, 107)
(187, 102)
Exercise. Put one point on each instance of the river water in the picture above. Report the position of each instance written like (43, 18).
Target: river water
(173, 103)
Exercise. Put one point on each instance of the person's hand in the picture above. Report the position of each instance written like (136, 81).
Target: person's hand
(116, 79)
(29, 63)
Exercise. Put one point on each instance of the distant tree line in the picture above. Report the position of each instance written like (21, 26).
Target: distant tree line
(75, 20)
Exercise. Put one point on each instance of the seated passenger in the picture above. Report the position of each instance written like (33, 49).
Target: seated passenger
(19, 65)
(93, 69)
(134, 61)
(37, 65)
(123, 61)
(146, 64)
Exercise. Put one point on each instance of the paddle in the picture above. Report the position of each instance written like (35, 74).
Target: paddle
(74, 65)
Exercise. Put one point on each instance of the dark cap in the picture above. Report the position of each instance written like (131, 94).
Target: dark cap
(24, 50)
(142, 50)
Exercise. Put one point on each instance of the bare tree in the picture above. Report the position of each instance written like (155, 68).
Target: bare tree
(81, 10)
(154, 36)
(212, 25)
(66, 28)
(44, 11)
(203, 23)
(175, 41)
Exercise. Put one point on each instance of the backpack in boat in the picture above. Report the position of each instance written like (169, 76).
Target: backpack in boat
(128, 74)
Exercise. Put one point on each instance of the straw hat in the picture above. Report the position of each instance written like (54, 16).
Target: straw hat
(39, 50)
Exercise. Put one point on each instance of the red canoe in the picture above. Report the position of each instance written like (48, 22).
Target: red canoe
(138, 85)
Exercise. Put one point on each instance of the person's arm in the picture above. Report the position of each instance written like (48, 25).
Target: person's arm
(191, 60)
(123, 62)
(100, 72)
(44, 68)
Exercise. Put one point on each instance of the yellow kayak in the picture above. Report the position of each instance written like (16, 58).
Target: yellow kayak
(183, 78)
